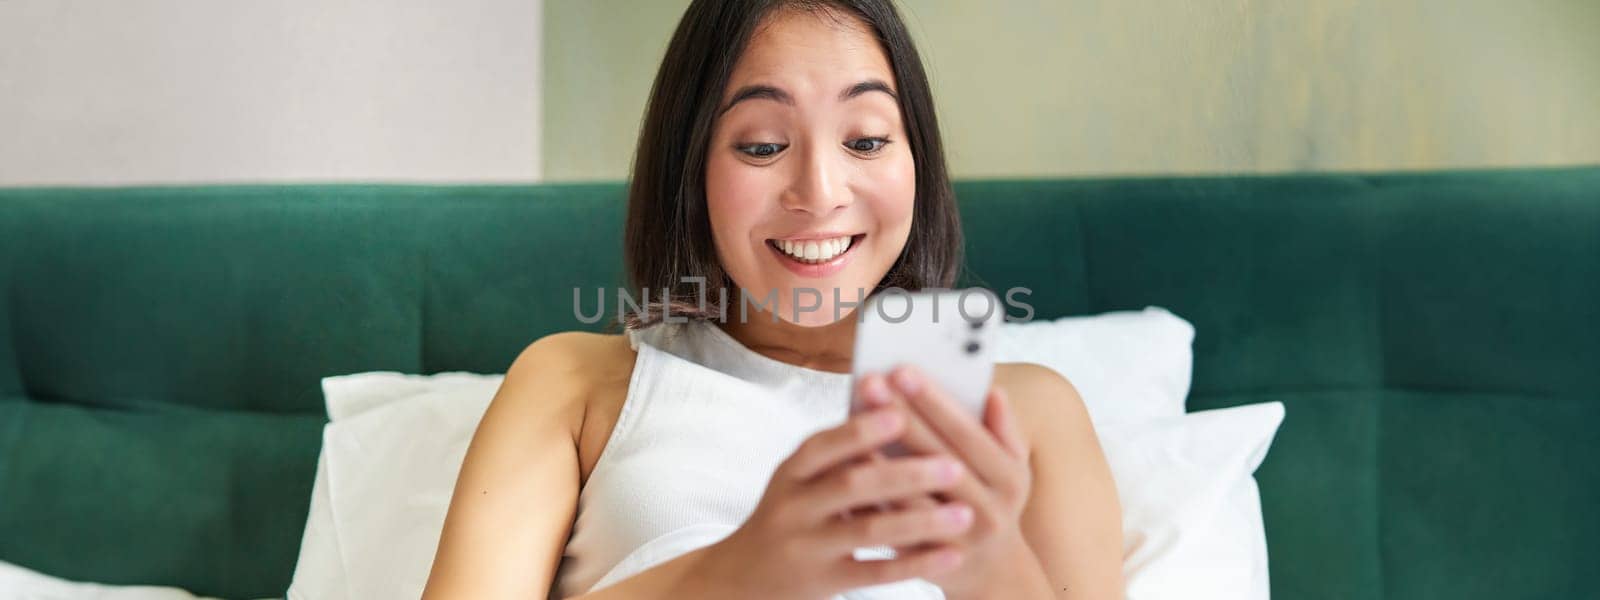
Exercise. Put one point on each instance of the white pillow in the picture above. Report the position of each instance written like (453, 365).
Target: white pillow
(17, 583)
(1191, 513)
(384, 480)
(1127, 365)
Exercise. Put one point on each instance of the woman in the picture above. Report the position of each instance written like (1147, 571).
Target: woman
(787, 144)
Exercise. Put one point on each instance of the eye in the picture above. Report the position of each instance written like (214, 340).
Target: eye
(867, 145)
(761, 150)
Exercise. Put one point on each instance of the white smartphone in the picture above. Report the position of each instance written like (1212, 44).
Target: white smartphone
(947, 334)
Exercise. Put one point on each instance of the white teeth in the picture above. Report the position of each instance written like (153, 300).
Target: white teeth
(814, 250)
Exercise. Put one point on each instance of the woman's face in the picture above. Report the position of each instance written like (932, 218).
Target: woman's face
(809, 178)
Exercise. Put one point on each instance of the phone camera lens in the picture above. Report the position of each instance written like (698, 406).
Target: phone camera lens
(973, 347)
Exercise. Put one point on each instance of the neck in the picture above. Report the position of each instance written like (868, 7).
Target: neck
(823, 348)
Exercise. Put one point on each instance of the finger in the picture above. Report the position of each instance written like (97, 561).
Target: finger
(920, 440)
(873, 391)
(874, 483)
(917, 437)
(858, 435)
(916, 503)
(1001, 420)
(926, 563)
(873, 457)
(900, 528)
(965, 436)
(876, 457)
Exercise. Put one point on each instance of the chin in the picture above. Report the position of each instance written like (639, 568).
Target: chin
(821, 317)
(785, 309)
(851, 298)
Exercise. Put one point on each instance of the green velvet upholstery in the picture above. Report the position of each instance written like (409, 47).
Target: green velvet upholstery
(1435, 338)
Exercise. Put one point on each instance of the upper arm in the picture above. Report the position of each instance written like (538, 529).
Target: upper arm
(1072, 520)
(517, 491)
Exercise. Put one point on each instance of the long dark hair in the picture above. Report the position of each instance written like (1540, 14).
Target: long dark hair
(668, 233)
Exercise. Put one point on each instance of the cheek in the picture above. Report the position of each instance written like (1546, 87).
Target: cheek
(734, 207)
(893, 198)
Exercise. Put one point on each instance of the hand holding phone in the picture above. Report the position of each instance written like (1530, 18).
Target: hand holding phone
(953, 352)
(947, 334)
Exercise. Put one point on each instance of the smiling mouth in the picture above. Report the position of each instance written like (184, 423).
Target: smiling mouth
(816, 252)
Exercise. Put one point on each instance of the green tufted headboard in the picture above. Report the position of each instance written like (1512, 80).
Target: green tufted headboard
(1435, 337)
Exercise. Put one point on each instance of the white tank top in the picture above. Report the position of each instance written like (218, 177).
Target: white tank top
(705, 423)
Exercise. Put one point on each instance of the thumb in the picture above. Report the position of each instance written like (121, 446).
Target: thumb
(1001, 421)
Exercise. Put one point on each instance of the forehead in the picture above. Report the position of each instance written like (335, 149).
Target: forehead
(811, 52)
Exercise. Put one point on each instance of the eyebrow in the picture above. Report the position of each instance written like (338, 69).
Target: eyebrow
(768, 92)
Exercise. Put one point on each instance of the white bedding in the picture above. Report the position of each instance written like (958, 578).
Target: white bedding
(17, 583)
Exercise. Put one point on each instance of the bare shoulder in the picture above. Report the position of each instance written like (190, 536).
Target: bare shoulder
(1045, 401)
(1020, 379)
(573, 360)
(562, 372)
(525, 452)
(575, 357)
(577, 379)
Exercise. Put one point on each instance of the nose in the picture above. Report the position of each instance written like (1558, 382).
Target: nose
(818, 184)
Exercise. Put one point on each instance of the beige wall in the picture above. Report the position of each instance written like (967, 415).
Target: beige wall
(180, 91)
(1166, 86)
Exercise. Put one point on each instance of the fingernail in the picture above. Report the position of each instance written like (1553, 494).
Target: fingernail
(956, 515)
(948, 471)
(888, 421)
(906, 381)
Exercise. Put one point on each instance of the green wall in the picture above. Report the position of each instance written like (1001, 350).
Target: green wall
(1094, 87)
